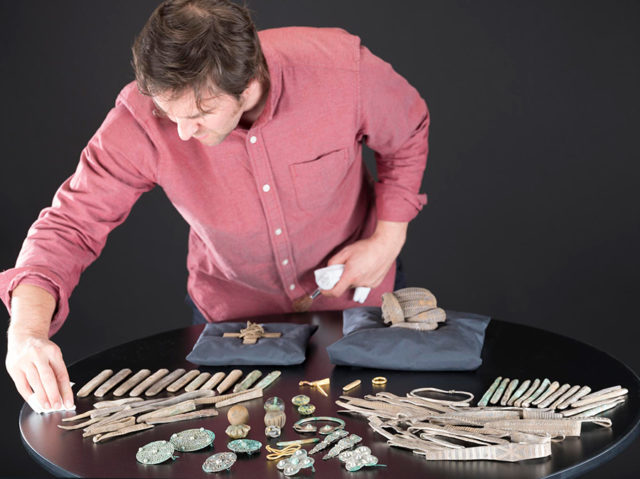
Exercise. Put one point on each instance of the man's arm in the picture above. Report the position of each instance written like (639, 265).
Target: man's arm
(368, 261)
(394, 123)
(34, 362)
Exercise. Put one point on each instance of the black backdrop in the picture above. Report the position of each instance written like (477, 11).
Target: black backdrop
(532, 217)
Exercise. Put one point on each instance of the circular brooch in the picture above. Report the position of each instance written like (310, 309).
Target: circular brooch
(155, 452)
(246, 446)
(300, 400)
(306, 409)
(219, 462)
(192, 439)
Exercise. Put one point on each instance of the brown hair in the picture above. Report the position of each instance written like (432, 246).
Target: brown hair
(198, 44)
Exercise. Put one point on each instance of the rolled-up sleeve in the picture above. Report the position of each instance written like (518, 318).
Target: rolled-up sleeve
(116, 167)
(394, 123)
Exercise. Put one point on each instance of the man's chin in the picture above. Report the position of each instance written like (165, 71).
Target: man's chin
(210, 141)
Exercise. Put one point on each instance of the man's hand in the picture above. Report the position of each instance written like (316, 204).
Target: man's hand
(33, 361)
(367, 261)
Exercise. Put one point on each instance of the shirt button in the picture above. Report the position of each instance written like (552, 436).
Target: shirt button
(285, 262)
(266, 188)
(278, 232)
(253, 139)
(292, 287)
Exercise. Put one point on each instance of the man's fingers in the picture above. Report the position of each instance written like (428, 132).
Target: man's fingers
(62, 376)
(49, 383)
(22, 385)
(340, 287)
(36, 385)
(340, 257)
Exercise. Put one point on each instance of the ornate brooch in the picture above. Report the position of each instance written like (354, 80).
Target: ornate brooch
(246, 446)
(330, 439)
(192, 439)
(219, 462)
(358, 458)
(343, 444)
(299, 460)
(155, 452)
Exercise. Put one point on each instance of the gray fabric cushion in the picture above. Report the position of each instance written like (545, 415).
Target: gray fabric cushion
(455, 346)
(212, 349)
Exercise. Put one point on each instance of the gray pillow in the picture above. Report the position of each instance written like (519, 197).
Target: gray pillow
(212, 349)
(455, 346)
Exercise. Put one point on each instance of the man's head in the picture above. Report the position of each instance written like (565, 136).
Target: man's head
(201, 62)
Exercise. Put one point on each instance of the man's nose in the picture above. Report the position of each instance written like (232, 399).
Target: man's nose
(186, 129)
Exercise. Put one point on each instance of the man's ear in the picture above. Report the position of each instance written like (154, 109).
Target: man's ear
(251, 89)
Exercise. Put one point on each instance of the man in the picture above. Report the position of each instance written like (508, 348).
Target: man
(257, 141)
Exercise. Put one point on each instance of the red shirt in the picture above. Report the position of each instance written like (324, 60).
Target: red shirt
(265, 207)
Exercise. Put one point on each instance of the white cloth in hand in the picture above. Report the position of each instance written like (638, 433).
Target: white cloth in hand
(327, 278)
(33, 402)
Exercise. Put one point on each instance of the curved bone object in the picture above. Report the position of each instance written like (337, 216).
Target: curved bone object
(110, 383)
(94, 383)
(181, 381)
(130, 383)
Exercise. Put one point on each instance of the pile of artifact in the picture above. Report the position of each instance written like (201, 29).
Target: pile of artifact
(442, 425)
(119, 417)
(414, 308)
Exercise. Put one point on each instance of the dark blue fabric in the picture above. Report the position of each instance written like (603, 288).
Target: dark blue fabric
(455, 346)
(212, 349)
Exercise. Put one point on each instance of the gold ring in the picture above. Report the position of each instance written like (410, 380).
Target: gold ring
(379, 381)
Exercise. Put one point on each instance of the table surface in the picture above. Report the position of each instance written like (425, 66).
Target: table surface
(510, 350)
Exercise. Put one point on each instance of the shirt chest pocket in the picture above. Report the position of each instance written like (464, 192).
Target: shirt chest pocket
(319, 181)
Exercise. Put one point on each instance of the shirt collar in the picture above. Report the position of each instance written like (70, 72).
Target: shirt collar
(275, 87)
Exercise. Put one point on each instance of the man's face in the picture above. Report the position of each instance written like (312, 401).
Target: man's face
(221, 115)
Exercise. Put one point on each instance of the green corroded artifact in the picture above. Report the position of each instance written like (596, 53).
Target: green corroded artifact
(513, 384)
(519, 392)
(292, 465)
(155, 452)
(534, 386)
(484, 400)
(306, 409)
(358, 458)
(541, 388)
(498, 393)
(300, 400)
(246, 383)
(192, 439)
(246, 446)
(268, 379)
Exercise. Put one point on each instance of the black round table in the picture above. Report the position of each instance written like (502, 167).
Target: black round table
(510, 350)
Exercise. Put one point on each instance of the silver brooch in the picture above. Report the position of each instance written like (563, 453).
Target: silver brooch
(343, 444)
(358, 458)
(292, 465)
(246, 446)
(155, 452)
(192, 439)
(219, 462)
(330, 439)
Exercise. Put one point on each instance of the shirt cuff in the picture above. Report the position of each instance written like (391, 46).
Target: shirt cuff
(394, 203)
(38, 276)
